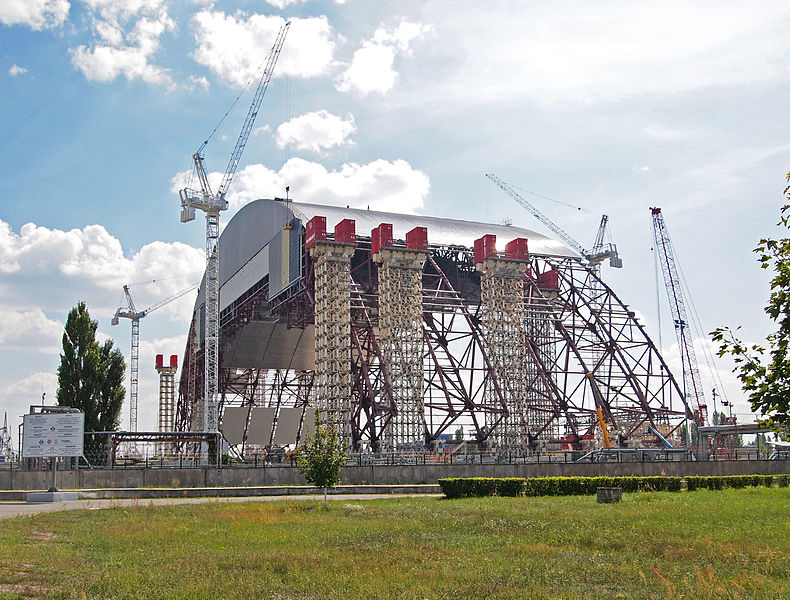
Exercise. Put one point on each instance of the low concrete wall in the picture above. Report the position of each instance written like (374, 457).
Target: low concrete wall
(366, 474)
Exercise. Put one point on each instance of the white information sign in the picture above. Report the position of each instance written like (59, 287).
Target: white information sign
(52, 434)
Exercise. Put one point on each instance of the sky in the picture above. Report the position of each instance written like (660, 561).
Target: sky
(599, 107)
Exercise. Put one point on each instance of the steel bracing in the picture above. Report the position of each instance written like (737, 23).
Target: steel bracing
(513, 365)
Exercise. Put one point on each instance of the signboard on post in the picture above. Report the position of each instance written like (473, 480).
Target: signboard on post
(52, 434)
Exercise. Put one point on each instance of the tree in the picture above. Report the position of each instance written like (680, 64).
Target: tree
(764, 371)
(322, 457)
(90, 376)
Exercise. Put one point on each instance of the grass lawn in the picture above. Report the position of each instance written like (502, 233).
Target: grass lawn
(704, 544)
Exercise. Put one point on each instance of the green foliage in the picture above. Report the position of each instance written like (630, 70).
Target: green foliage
(322, 457)
(90, 375)
(765, 370)
(466, 487)
(723, 482)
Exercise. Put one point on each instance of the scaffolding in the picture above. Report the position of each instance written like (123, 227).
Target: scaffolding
(167, 401)
(400, 324)
(332, 334)
(502, 308)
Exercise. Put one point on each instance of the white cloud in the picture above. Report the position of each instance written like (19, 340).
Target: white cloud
(37, 14)
(281, 4)
(316, 131)
(550, 52)
(94, 258)
(129, 35)
(29, 328)
(198, 82)
(382, 185)
(16, 397)
(16, 70)
(234, 46)
(371, 68)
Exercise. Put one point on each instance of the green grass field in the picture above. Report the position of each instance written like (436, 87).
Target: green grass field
(705, 544)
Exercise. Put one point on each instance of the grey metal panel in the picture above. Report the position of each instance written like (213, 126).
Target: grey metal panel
(234, 420)
(276, 263)
(295, 258)
(246, 277)
(287, 426)
(260, 429)
(267, 345)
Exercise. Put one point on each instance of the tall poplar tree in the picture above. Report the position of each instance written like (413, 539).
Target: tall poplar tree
(90, 376)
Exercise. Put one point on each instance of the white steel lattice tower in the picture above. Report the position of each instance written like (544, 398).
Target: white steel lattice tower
(501, 300)
(538, 328)
(211, 346)
(400, 320)
(333, 334)
(167, 398)
(134, 360)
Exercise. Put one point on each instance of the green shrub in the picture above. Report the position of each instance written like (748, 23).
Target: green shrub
(510, 486)
(465, 487)
(721, 482)
(783, 480)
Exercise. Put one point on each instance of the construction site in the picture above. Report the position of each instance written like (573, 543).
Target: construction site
(409, 334)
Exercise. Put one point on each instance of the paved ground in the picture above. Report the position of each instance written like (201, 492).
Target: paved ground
(17, 509)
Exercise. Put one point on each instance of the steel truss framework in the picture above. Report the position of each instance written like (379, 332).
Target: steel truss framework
(582, 350)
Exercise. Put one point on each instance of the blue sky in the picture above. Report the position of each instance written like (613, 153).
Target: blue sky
(610, 106)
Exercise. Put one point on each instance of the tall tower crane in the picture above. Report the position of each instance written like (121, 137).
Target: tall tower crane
(692, 383)
(6, 442)
(600, 251)
(212, 204)
(134, 315)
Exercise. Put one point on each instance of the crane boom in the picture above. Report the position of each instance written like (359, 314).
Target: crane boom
(212, 204)
(129, 312)
(246, 128)
(691, 378)
(538, 215)
(596, 256)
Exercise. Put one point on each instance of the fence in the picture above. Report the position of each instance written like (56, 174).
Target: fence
(120, 450)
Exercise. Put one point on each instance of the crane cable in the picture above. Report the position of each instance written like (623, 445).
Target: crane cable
(193, 172)
(579, 208)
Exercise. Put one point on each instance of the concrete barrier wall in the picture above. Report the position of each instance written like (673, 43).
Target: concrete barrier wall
(366, 474)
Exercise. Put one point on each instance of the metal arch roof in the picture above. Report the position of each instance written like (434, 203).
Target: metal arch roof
(440, 231)
(257, 222)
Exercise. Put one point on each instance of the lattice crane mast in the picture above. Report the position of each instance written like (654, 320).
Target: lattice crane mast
(600, 251)
(212, 204)
(692, 382)
(130, 312)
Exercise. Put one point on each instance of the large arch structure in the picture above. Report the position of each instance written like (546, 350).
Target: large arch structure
(576, 359)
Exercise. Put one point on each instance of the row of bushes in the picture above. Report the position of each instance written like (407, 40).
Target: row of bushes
(735, 481)
(465, 487)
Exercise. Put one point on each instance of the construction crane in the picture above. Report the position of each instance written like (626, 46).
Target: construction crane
(600, 251)
(212, 204)
(692, 384)
(6, 442)
(130, 312)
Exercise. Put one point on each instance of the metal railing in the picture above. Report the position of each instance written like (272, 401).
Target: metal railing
(105, 450)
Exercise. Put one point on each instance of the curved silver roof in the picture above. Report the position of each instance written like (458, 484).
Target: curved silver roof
(257, 222)
(440, 231)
